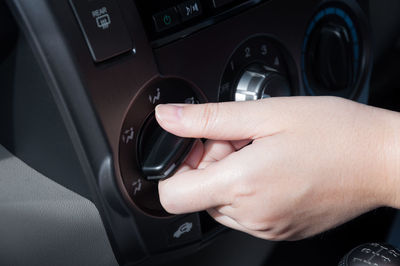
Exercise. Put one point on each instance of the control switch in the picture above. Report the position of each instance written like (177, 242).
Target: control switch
(103, 28)
(190, 9)
(160, 152)
(260, 82)
(166, 19)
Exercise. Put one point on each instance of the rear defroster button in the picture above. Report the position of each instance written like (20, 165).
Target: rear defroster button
(103, 27)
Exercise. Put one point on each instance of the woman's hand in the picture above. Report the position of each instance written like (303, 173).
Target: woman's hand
(313, 163)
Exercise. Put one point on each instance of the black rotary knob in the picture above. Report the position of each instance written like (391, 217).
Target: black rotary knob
(335, 53)
(372, 254)
(160, 152)
(331, 57)
(148, 153)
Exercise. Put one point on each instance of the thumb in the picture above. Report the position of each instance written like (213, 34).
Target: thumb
(220, 121)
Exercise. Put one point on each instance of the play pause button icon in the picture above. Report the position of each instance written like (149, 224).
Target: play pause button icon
(190, 9)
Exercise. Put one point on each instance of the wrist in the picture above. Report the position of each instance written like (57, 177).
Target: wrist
(388, 157)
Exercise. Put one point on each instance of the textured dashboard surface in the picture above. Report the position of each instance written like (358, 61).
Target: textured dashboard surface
(43, 223)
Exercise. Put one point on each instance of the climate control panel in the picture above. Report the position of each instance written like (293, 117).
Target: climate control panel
(327, 54)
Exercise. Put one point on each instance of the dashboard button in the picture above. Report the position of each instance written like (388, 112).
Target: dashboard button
(190, 9)
(166, 19)
(184, 231)
(103, 28)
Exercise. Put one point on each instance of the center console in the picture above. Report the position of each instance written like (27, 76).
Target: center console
(110, 62)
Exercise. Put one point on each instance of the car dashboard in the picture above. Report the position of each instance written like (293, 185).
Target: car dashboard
(81, 79)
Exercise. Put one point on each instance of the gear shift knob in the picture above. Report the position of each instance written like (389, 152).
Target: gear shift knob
(372, 254)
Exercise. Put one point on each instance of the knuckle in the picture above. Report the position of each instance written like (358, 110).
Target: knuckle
(273, 236)
(255, 226)
(264, 223)
(209, 116)
(256, 223)
(280, 231)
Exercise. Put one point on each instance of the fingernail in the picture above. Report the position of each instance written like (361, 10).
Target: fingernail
(169, 113)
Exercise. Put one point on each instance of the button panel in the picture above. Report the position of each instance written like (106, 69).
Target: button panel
(103, 28)
(176, 15)
(166, 19)
(170, 20)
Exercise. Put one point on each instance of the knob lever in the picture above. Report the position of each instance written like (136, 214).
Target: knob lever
(160, 152)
